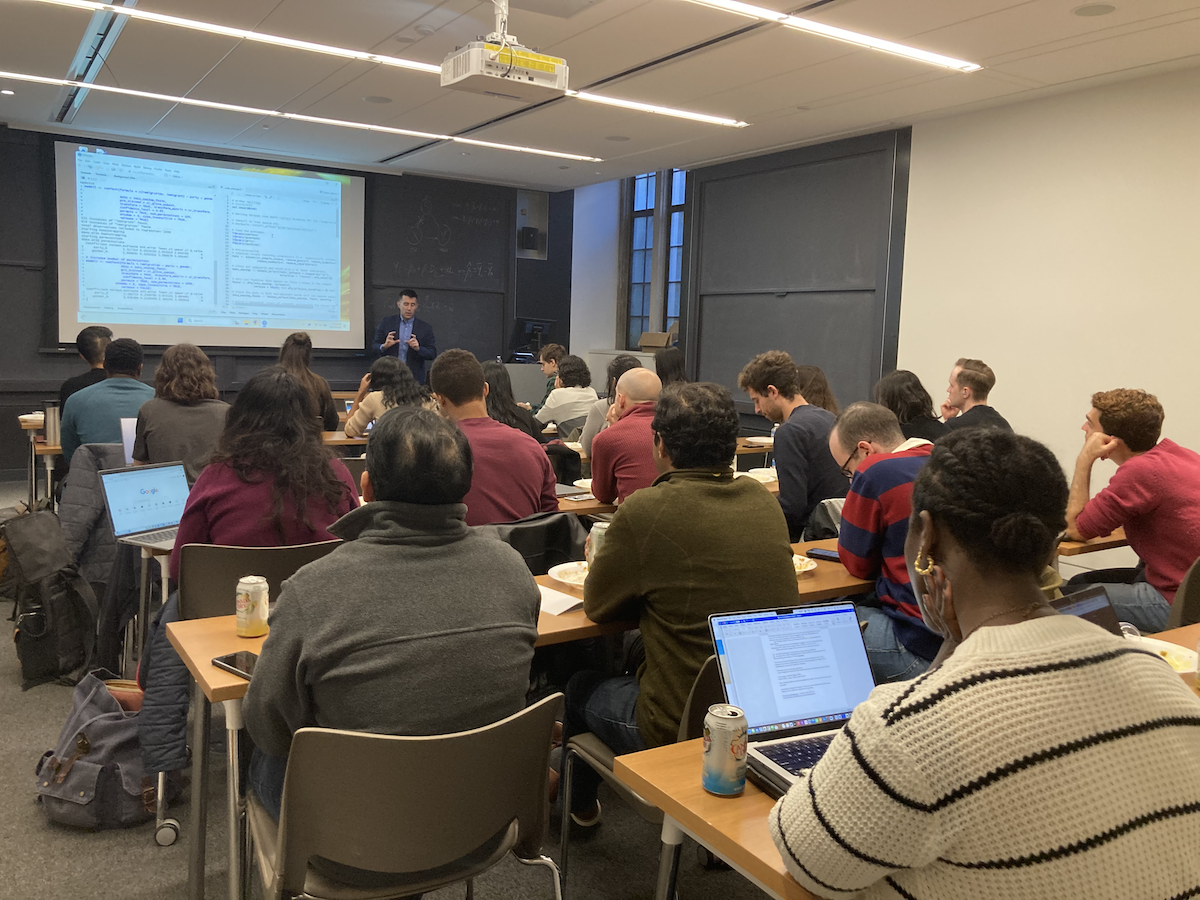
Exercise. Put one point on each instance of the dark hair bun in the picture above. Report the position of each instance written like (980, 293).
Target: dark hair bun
(1019, 535)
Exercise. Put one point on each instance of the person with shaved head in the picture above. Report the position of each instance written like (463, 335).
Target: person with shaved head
(623, 454)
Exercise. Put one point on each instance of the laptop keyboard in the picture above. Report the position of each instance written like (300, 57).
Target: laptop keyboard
(799, 755)
(155, 536)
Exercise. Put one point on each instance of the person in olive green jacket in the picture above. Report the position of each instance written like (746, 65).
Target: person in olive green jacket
(696, 542)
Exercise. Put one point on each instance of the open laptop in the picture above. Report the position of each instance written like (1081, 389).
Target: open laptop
(1091, 604)
(797, 673)
(145, 503)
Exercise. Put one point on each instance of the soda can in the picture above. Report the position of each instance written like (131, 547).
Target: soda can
(252, 606)
(724, 750)
(597, 534)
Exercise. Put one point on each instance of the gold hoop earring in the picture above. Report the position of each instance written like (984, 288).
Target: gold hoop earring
(928, 570)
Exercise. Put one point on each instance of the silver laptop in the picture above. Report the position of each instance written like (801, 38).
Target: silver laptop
(797, 673)
(145, 503)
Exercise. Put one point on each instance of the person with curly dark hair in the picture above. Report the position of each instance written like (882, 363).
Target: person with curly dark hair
(978, 779)
(597, 417)
(185, 419)
(548, 358)
(295, 356)
(696, 542)
(388, 385)
(1154, 496)
(271, 480)
(572, 397)
(902, 392)
(807, 471)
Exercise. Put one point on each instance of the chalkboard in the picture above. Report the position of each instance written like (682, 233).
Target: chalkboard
(469, 320)
(437, 234)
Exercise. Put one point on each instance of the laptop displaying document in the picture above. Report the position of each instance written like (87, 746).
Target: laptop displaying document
(145, 503)
(1091, 604)
(797, 673)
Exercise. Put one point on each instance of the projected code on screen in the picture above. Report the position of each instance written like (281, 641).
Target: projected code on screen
(206, 245)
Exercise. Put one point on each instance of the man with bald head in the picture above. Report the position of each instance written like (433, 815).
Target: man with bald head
(623, 453)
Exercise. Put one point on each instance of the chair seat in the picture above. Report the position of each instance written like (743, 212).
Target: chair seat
(600, 757)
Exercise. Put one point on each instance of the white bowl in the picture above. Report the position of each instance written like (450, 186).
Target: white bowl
(585, 483)
(572, 574)
(803, 563)
(764, 441)
(763, 475)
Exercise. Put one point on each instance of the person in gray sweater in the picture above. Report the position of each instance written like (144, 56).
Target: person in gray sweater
(416, 625)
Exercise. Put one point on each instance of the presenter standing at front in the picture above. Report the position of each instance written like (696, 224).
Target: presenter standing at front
(408, 333)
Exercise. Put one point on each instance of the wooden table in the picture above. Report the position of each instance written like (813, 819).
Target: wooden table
(344, 395)
(1075, 548)
(339, 439)
(829, 579)
(744, 448)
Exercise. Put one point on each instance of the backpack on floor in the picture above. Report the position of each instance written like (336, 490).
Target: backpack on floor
(93, 777)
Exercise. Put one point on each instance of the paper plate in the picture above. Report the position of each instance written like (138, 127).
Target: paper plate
(763, 475)
(1182, 659)
(762, 441)
(574, 445)
(572, 574)
(803, 563)
(585, 483)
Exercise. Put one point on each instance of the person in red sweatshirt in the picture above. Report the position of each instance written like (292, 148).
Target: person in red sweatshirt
(1154, 495)
(623, 454)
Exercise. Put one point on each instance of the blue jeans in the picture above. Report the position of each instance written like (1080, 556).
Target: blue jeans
(890, 659)
(1139, 604)
(607, 707)
(266, 780)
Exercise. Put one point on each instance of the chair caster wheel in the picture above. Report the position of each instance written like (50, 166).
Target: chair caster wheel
(166, 833)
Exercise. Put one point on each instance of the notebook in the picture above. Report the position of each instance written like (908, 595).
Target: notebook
(145, 503)
(797, 673)
(1091, 604)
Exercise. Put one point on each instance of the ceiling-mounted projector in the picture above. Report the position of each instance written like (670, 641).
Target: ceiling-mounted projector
(500, 66)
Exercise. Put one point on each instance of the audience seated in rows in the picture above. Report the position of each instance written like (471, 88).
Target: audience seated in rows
(623, 454)
(295, 356)
(1040, 756)
(548, 359)
(185, 418)
(501, 405)
(902, 392)
(90, 343)
(597, 417)
(807, 471)
(813, 386)
(93, 414)
(572, 397)
(389, 384)
(697, 542)
(415, 625)
(966, 406)
(871, 541)
(669, 365)
(1154, 495)
(512, 475)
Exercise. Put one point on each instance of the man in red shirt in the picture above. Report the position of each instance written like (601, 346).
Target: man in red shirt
(1154, 495)
(512, 476)
(623, 454)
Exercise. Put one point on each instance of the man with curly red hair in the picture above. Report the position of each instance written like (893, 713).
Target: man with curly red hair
(1154, 495)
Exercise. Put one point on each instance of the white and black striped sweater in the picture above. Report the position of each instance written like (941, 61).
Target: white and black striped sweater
(1048, 759)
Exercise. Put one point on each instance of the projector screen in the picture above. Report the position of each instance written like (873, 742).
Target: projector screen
(165, 249)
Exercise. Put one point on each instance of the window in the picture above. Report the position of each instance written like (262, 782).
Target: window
(655, 203)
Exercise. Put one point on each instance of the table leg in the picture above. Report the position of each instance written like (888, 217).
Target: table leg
(237, 818)
(49, 463)
(32, 469)
(143, 616)
(668, 863)
(201, 733)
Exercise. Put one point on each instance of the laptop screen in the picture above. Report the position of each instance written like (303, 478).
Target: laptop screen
(1091, 604)
(793, 668)
(145, 498)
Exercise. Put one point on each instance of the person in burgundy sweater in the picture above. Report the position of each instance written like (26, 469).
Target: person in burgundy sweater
(874, 526)
(1154, 495)
(623, 454)
(513, 477)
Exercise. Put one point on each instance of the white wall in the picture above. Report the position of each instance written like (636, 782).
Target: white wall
(594, 275)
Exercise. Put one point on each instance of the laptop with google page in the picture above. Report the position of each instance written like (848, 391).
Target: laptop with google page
(145, 503)
(797, 673)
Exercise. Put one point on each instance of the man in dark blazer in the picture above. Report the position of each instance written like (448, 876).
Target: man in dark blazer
(408, 333)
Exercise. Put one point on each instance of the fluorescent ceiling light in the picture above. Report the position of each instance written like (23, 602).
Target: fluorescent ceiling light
(296, 117)
(840, 34)
(276, 40)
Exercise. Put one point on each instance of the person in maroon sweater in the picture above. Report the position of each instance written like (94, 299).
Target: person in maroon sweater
(271, 481)
(1154, 495)
(623, 454)
(513, 477)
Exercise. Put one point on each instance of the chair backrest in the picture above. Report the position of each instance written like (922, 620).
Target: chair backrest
(209, 573)
(706, 690)
(409, 804)
(543, 539)
(1185, 609)
(356, 466)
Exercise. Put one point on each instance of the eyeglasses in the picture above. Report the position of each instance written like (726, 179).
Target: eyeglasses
(846, 470)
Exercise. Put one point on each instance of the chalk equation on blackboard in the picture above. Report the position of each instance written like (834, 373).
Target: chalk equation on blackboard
(418, 272)
(428, 228)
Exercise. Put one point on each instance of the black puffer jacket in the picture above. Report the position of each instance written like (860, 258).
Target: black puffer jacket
(162, 723)
(81, 512)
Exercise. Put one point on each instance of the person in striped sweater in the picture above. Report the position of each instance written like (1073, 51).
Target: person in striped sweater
(1039, 758)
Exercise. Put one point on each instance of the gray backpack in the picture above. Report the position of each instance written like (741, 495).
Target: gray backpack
(93, 778)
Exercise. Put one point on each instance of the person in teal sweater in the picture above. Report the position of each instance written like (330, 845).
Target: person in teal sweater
(93, 415)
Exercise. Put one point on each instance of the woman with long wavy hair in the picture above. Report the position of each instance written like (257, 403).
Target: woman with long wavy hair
(295, 356)
(389, 384)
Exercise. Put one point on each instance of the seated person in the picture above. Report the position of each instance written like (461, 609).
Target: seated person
(874, 526)
(90, 344)
(295, 356)
(548, 358)
(501, 405)
(597, 417)
(623, 454)
(902, 392)
(512, 476)
(389, 384)
(807, 471)
(814, 387)
(697, 542)
(185, 418)
(966, 406)
(572, 397)
(1154, 495)
(669, 366)
(93, 414)
(415, 625)
(1040, 756)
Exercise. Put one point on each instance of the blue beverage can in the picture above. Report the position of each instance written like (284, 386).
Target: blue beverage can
(724, 771)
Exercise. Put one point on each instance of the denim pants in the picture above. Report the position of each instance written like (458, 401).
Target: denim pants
(1139, 604)
(266, 780)
(607, 707)
(890, 660)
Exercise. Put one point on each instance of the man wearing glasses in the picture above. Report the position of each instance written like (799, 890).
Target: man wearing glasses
(807, 472)
(874, 525)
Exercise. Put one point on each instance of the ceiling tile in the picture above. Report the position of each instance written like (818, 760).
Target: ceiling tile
(339, 145)
(207, 126)
(117, 114)
(453, 111)
(265, 76)
(501, 167)
(150, 57)
(233, 13)
(899, 21)
(40, 40)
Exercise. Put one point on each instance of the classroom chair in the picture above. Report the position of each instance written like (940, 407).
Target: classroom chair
(543, 539)
(1185, 610)
(209, 573)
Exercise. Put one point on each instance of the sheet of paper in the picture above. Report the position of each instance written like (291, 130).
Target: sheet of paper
(556, 602)
(128, 430)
